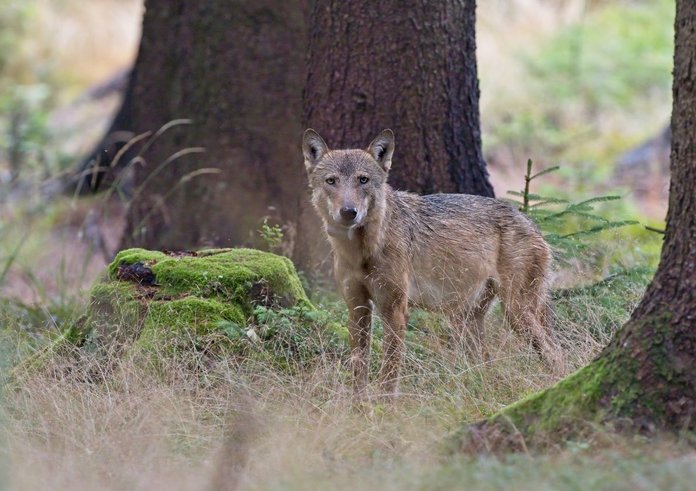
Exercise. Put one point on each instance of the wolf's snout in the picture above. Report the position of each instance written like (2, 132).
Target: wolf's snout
(348, 213)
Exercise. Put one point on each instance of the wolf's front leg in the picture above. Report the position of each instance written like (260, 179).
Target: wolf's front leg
(360, 334)
(394, 314)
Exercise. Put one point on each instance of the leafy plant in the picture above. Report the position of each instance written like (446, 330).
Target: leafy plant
(272, 235)
(554, 216)
(572, 229)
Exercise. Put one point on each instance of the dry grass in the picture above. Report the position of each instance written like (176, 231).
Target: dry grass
(251, 427)
(137, 431)
(84, 423)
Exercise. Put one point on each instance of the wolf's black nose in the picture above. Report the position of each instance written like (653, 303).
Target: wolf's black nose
(348, 213)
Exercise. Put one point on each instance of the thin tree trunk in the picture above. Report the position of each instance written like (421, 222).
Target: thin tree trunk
(646, 377)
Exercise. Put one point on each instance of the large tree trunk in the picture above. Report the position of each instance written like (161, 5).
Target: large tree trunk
(409, 66)
(647, 375)
(236, 69)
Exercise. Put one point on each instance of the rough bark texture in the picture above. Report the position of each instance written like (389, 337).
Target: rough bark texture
(660, 338)
(236, 69)
(646, 377)
(409, 66)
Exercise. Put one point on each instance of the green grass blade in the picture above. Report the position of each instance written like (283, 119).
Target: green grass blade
(12, 257)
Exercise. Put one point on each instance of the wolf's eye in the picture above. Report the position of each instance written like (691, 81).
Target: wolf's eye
(363, 179)
(331, 181)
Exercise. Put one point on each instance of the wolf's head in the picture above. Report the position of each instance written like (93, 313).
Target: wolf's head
(348, 186)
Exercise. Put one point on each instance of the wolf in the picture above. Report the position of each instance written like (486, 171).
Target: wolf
(452, 253)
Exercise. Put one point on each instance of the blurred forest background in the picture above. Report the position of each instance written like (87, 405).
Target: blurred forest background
(576, 83)
(585, 85)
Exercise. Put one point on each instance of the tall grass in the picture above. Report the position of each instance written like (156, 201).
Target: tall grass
(85, 422)
(247, 424)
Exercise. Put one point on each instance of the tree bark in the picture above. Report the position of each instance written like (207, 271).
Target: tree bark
(409, 66)
(646, 376)
(236, 70)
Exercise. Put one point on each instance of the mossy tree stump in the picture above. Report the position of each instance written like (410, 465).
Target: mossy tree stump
(162, 302)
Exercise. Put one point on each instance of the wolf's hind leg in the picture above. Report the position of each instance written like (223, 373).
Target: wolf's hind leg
(470, 322)
(478, 318)
(527, 308)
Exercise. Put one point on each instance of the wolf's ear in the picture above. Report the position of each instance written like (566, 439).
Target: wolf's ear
(314, 148)
(382, 149)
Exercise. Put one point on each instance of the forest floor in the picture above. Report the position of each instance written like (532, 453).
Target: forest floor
(256, 428)
(251, 425)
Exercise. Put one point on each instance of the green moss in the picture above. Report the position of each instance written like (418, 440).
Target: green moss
(115, 314)
(241, 276)
(115, 296)
(647, 374)
(570, 401)
(628, 386)
(551, 416)
(192, 301)
(185, 321)
(593, 395)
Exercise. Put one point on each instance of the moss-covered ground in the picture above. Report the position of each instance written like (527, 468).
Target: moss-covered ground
(203, 302)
